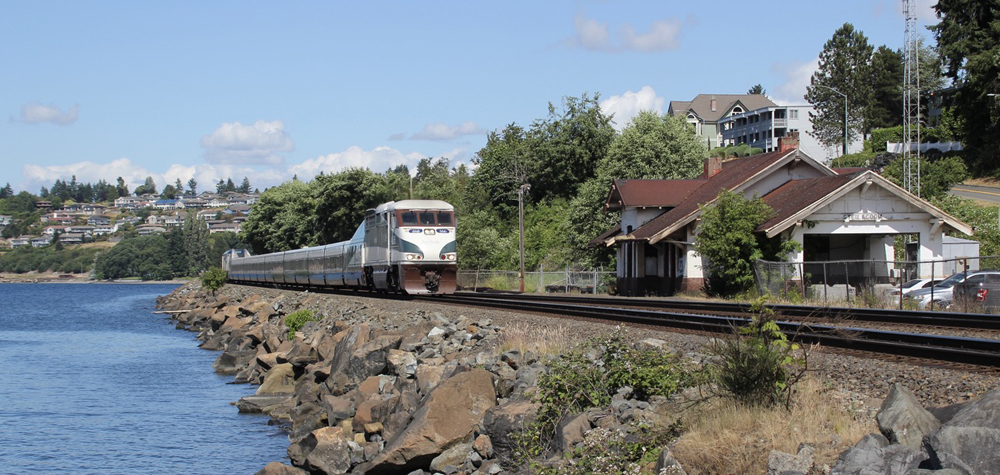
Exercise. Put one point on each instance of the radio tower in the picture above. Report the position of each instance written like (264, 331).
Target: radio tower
(911, 101)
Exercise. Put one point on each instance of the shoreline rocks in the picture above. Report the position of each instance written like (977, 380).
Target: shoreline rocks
(422, 392)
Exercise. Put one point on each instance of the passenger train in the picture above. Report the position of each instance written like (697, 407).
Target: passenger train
(401, 246)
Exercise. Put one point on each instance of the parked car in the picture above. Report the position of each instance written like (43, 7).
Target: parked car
(980, 292)
(911, 286)
(942, 293)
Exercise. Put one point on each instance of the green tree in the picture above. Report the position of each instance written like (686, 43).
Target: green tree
(503, 165)
(844, 65)
(169, 192)
(6, 192)
(280, 219)
(341, 201)
(433, 181)
(566, 146)
(192, 187)
(196, 245)
(757, 89)
(728, 245)
(122, 187)
(887, 84)
(213, 279)
(968, 38)
(244, 186)
(149, 186)
(145, 257)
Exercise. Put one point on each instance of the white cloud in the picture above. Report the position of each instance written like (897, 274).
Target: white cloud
(34, 113)
(377, 160)
(662, 36)
(628, 105)
(593, 35)
(442, 131)
(38, 176)
(257, 144)
(797, 76)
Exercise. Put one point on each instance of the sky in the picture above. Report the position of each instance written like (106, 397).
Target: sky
(271, 90)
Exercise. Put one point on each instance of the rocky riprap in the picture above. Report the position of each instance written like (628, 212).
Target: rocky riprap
(377, 386)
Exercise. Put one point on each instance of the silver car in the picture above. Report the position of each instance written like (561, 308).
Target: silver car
(943, 292)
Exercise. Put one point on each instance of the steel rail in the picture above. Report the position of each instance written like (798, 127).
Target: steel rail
(975, 351)
(976, 321)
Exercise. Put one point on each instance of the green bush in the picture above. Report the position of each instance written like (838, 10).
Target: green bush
(577, 381)
(213, 279)
(296, 320)
(759, 366)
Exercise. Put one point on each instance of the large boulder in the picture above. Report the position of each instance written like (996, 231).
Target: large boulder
(332, 453)
(874, 455)
(903, 420)
(971, 439)
(279, 380)
(501, 422)
(448, 416)
(278, 468)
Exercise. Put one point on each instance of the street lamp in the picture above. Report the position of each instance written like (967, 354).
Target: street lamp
(845, 112)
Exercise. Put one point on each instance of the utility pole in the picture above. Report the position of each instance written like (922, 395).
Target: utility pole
(520, 225)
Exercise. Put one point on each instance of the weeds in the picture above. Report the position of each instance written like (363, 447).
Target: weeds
(296, 320)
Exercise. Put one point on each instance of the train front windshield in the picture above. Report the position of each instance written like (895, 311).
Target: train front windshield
(426, 218)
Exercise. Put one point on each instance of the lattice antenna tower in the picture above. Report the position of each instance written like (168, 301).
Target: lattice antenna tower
(911, 100)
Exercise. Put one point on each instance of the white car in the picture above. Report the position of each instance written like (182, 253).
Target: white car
(942, 292)
(912, 286)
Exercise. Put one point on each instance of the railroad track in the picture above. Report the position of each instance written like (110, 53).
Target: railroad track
(961, 350)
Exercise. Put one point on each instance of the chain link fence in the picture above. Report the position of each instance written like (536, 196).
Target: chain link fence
(568, 280)
(848, 280)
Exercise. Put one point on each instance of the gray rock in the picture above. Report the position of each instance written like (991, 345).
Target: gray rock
(451, 459)
(332, 454)
(972, 449)
(502, 422)
(666, 464)
(278, 468)
(780, 462)
(892, 460)
(570, 431)
(903, 420)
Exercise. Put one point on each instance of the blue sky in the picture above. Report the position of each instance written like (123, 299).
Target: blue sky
(269, 90)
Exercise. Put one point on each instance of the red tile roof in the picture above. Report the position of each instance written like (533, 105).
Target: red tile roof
(733, 174)
(650, 193)
(796, 195)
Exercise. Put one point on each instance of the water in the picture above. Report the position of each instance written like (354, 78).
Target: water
(91, 382)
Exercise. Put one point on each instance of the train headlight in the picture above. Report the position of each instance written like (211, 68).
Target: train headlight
(448, 257)
(414, 257)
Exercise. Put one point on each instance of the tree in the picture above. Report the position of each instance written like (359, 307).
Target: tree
(969, 42)
(122, 187)
(757, 89)
(244, 186)
(503, 165)
(728, 246)
(341, 201)
(214, 279)
(887, 85)
(220, 187)
(844, 65)
(192, 187)
(169, 192)
(148, 187)
(230, 186)
(196, 245)
(6, 192)
(280, 219)
(565, 147)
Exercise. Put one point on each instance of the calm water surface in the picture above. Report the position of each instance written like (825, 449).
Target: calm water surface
(92, 382)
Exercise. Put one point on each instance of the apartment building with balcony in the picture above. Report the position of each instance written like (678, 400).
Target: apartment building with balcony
(706, 110)
(761, 128)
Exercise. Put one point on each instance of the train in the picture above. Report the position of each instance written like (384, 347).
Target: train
(405, 246)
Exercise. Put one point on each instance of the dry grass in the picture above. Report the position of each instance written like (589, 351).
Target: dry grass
(723, 438)
(539, 340)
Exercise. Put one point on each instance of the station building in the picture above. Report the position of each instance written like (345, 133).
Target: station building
(843, 214)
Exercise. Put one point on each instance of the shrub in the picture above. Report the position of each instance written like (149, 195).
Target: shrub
(296, 320)
(579, 380)
(213, 279)
(759, 366)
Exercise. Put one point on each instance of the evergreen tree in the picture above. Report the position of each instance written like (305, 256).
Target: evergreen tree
(968, 38)
(245, 186)
(757, 89)
(192, 187)
(844, 66)
(887, 84)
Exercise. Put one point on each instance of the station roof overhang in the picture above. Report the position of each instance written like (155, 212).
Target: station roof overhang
(797, 200)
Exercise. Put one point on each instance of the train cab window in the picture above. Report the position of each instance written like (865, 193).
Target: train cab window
(427, 218)
(408, 218)
(444, 218)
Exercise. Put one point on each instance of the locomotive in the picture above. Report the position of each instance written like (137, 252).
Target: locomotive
(401, 246)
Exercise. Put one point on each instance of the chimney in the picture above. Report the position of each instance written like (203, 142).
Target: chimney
(714, 105)
(713, 165)
(789, 142)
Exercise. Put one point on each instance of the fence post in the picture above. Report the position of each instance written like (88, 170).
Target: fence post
(541, 279)
(826, 283)
(802, 278)
(594, 291)
(566, 284)
(475, 287)
(847, 283)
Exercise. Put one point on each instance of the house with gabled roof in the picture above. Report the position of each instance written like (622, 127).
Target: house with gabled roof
(834, 215)
(706, 110)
